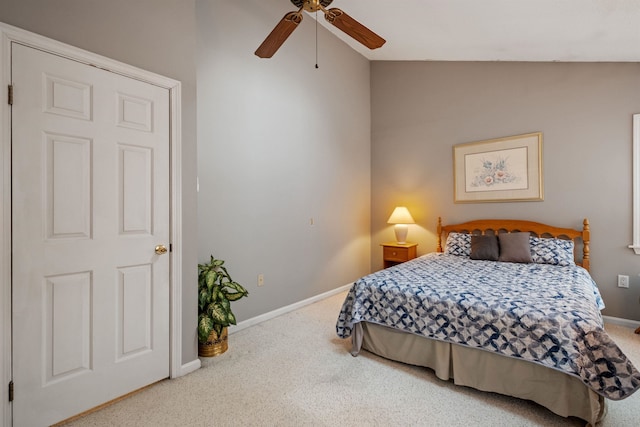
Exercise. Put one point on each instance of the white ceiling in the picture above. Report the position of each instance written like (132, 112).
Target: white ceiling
(497, 30)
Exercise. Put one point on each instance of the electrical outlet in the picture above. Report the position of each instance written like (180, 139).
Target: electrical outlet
(623, 281)
(260, 279)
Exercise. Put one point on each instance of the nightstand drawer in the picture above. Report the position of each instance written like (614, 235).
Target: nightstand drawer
(396, 254)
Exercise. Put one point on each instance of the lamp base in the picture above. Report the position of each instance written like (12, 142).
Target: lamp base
(401, 231)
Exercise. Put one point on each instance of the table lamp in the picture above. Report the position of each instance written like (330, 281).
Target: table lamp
(401, 217)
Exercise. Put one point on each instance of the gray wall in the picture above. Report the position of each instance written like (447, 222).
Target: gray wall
(155, 35)
(279, 143)
(584, 110)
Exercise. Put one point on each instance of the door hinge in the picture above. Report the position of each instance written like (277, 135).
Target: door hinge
(10, 100)
(11, 391)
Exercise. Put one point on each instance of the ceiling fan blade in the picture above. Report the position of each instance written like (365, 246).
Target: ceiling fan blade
(353, 28)
(279, 34)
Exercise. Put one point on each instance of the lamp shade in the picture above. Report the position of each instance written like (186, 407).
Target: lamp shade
(401, 215)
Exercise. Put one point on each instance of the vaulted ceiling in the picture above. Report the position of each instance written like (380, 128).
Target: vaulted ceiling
(497, 30)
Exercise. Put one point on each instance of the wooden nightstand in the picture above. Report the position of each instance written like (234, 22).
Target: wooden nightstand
(394, 253)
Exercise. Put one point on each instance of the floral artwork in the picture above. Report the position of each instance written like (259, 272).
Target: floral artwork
(505, 169)
(499, 170)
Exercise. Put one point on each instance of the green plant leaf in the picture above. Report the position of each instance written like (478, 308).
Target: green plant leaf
(231, 318)
(211, 278)
(205, 326)
(218, 313)
(235, 296)
(217, 295)
(237, 287)
(203, 299)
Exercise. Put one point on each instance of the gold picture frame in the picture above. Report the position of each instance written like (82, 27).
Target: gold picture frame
(505, 169)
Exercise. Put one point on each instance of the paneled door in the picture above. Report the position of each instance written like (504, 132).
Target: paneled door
(90, 208)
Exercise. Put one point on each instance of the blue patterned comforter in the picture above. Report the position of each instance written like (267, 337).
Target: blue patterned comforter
(543, 313)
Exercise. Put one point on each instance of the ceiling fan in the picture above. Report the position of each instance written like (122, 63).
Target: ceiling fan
(335, 16)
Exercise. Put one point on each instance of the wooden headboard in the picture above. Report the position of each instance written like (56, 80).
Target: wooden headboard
(495, 226)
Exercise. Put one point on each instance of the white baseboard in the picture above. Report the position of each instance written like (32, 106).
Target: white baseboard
(188, 367)
(621, 322)
(280, 311)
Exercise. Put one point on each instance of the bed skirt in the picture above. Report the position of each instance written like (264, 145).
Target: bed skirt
(563, 394)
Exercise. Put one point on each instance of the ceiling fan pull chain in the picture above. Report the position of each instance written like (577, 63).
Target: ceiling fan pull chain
(317, 39)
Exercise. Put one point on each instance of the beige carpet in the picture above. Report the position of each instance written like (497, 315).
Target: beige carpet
(294, 371)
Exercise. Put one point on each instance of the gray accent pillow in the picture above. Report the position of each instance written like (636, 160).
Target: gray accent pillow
(485, 247)
(515, 247)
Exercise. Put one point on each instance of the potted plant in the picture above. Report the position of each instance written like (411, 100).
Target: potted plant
(216, 290)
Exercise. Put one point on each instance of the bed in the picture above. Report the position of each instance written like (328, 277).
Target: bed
(506, 306)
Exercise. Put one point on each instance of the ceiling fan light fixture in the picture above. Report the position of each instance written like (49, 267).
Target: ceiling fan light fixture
(311, 5)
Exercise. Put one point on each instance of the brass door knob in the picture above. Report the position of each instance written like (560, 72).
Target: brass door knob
(161, 249)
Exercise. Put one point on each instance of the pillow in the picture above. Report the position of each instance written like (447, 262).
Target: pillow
(515, 247)
(484, 247)
(458, 244)
(552, 251)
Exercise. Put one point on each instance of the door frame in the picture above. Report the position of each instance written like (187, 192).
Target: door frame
(8, 35)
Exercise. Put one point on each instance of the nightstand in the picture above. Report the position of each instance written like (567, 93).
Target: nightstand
(394, 253)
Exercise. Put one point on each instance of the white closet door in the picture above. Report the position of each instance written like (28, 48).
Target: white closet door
(90, 200)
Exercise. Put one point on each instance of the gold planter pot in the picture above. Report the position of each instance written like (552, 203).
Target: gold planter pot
(215, 345)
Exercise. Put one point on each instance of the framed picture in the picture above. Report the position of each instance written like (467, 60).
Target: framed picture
(499, 170)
